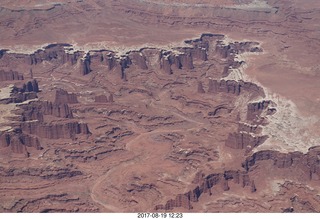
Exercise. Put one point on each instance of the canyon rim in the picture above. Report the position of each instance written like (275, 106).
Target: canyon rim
(160, 106)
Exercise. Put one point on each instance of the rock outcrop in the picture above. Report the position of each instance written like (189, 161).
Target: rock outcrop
(167, 124)
(183, 57)
(30, 86)
(63, 97)
(111, 98)
(165, 62)
(208, 185)
(200, 48)
(234, 87)
(125, 62)
(27, 91)
(103, 98)
(19, 98)
(245, 127)
(138, 58)
(72, 58)
(255, 109)
(19, 141)
(52, 52)
(110, 61)
(55, 130)
(170, 60)
(308, 163)
(48, 173)
(57, 110)
(31, 121)
(200, 88)
(2, 52)
(36, 110)
(85, 65)
(230, 50)
(10, 76)
(243, 140)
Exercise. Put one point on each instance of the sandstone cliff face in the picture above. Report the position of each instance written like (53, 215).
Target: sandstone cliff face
(243, 140)
(183, 57)
(29, 123)
(255, 109)
(248, 135)
(48, 172)
(103, 99)
(28, 91)
(200, 53)
(169, 61)
(55, 131)
(57, 110)
(308, 163)
(226, 51)
(186, 58)
(97, 57)
(200, 87)
(165, 62)
(230, 52)
(234, 87)
(30, 86)
(63, 97)
(10, 76)
(111, 100)
(2, 52)
(125, 62)
(71, 58)
(244, 127)
(18, 98)
(201, 46)
(18, 141)
(34, 126)
(52, 52)
(37, 109)
(85, 65)
(138, 58)
(207, 185)
(111, 61)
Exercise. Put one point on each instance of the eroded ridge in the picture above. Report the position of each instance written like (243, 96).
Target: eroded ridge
(144, 130)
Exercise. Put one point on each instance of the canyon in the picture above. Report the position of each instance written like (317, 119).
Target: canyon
(159, 106)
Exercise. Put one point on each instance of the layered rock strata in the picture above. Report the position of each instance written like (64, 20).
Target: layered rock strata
(27, 121)
(63, 97)
(170, 60)
(10, 76)
(207, 185)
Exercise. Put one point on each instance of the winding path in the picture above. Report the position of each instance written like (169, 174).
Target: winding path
(140, 155)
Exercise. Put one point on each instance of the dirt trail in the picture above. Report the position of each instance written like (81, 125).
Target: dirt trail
(143, 150)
